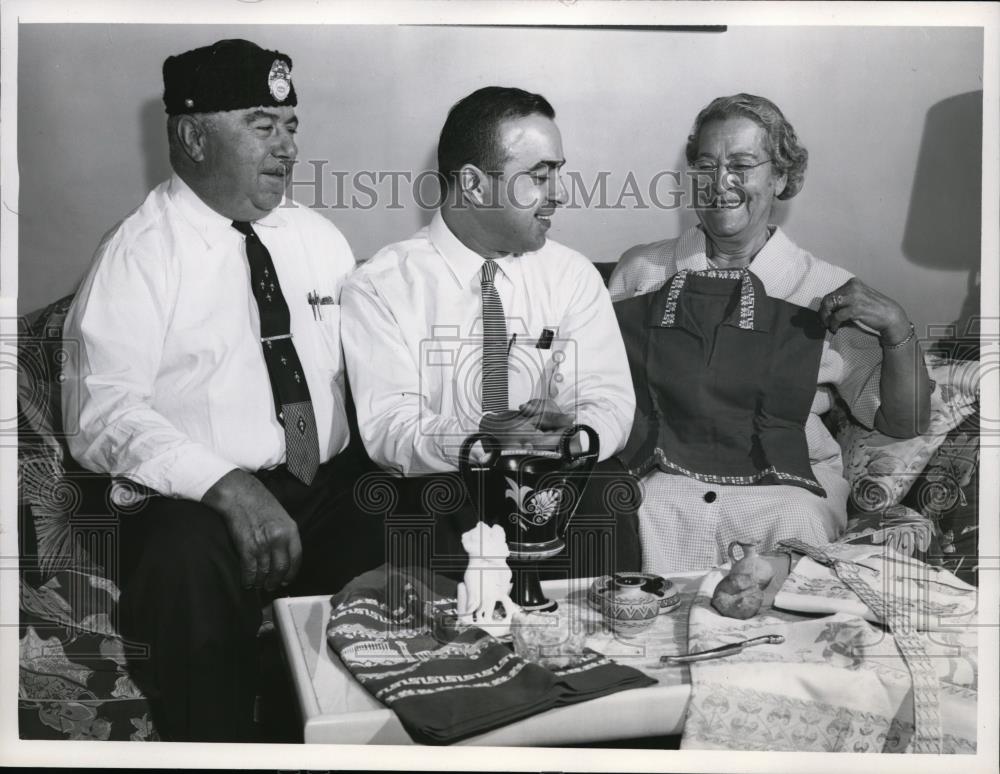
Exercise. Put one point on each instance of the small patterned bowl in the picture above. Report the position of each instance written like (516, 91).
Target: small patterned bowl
(653, 584)
(628, 609)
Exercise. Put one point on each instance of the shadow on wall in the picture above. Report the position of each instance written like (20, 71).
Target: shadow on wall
(944, 219)
(153, 125)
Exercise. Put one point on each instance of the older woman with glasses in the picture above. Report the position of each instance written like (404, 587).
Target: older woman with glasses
(738, 340)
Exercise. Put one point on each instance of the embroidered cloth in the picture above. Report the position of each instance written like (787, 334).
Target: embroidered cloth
(445, 682)
(838, 683)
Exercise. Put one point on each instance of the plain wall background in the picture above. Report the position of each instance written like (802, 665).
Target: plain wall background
(891, 118)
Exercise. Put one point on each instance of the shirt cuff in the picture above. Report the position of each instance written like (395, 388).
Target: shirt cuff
(194, 473)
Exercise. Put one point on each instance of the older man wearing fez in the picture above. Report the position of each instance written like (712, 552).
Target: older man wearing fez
(210, 373)
(478, 321)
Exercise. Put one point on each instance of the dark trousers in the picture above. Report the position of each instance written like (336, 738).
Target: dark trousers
(183, 603)
(602, 537)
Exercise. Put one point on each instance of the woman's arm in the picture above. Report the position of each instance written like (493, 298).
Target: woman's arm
(904, 387)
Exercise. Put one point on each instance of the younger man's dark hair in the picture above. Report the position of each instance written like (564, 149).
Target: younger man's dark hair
(471, 132)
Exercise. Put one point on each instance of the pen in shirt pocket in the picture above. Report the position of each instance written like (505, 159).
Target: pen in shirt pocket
(317, 303)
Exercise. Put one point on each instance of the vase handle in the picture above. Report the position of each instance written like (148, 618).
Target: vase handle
(490, 445)
(593, 444)
(733, 545)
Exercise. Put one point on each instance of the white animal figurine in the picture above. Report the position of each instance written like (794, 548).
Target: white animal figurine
(487, 580)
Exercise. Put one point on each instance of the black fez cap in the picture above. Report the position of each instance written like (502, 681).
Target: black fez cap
(228, 75)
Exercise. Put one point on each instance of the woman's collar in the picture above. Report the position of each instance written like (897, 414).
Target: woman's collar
(767, 264)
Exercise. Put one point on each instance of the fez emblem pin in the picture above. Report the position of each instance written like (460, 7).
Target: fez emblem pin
(279, 80)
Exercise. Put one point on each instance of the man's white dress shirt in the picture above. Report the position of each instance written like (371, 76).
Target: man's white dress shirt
(412, 331)
(169, 378)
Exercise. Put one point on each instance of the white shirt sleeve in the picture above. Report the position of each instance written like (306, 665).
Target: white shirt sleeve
(595, 372)
(857, 356)
(119, 318)
(400, 431)
(642, 269)
(622, 284)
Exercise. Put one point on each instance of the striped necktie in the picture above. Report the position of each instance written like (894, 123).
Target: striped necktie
(292, 402)
(494, 386)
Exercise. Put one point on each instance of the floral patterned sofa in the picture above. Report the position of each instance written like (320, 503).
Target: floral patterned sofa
(921, 494)
(74, 682)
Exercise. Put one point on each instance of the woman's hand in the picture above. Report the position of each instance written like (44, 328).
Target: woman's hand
(855, 302)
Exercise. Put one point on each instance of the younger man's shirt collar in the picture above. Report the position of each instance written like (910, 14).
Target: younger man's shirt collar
(463, 262)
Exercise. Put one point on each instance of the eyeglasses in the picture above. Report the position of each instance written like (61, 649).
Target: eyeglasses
(733, 167)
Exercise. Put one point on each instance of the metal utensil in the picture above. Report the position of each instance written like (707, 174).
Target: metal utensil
(724, 650)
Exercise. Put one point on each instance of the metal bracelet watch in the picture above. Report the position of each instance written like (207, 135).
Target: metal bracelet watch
(904, 342)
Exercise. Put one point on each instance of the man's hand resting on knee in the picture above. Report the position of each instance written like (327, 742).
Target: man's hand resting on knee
(266, 537)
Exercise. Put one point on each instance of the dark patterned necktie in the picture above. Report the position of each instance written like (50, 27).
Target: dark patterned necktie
(292, 403)
(494, 386)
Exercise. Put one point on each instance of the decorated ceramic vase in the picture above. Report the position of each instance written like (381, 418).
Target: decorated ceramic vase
(532, 495)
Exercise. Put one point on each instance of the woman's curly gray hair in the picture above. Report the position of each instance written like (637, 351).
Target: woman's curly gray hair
(788, 155)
